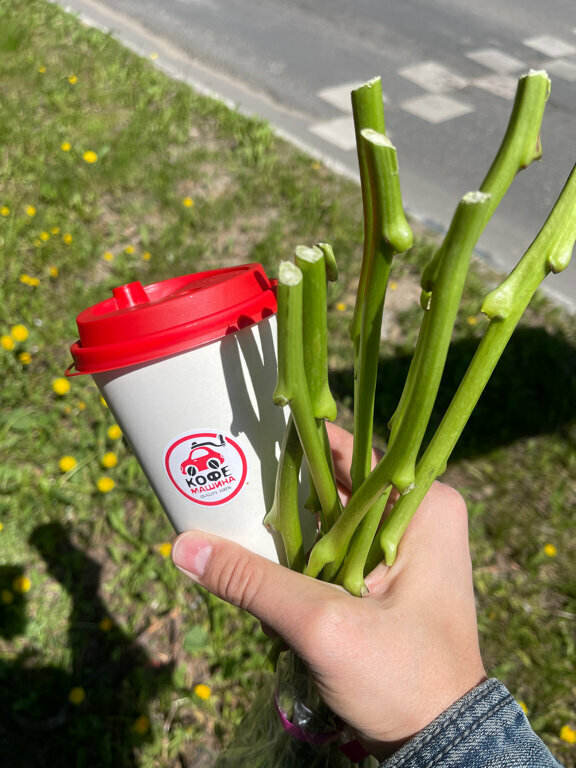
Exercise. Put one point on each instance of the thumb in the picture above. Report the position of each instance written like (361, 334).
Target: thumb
(285, 600)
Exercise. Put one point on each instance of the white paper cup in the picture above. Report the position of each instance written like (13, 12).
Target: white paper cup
(188, 368)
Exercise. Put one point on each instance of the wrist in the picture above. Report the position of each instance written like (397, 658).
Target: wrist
(382, 749)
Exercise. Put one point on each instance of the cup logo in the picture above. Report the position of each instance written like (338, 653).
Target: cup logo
(207, 467)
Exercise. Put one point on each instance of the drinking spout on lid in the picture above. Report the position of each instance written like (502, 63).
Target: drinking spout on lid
(130, 295)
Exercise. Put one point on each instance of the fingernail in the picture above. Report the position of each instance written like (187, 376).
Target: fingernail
(191, 554)
(376, 577)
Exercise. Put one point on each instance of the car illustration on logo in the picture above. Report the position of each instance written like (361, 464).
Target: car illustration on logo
(203, 457)
(208, 467)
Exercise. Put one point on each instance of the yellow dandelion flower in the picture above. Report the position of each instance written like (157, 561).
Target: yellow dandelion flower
(129, 249)
(65, 146)
(154, 56)
(141, 725)
(393, 285)
(6, 597)
(7, 343)
(53, 271)
(77, 695)
(341, 306)
(106, 624)
(146, 256)
(19, 332)
(67, 463)
(25, 358)
(109, 460)
(55, 230)
(114, 432)
(21, 584)
(90, 157)
(72, 79)
(1, 526)
(67, 238)
(165, 548)
(105, 484)
(187, 202)
(568, 734)
(61, 386)
(549, 550)
(44, 236)
(472, 320)
(523, 707)
(108, 256)
(4, 211)
(104, 403)
(203, 691)
(30, 211)
(41, 69)
(27, 280)
(81, 405)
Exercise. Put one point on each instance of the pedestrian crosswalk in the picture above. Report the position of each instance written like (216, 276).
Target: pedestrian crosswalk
(448, 93)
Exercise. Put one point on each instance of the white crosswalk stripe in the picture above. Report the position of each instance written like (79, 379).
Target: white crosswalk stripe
(501, 85)
(565, 70)
(433, 77)
(496, 60)
(550, 46)
(339, 132)
(436, 108)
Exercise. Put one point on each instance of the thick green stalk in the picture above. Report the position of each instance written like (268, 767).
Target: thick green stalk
(330, 261)
(397, 466)
(292, 388)
(521, 144)
(550, 252)
(390, 234)
(332, 548)
(412, 418)
(368, 112)
(284, 516)
(519, 148)
(311, 263)
(351, 575)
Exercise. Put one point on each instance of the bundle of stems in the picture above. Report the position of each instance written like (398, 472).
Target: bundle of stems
(353, 539)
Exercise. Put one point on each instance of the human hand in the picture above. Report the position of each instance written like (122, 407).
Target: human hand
(387, 663)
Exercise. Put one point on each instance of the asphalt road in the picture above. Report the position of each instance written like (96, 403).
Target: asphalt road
(449, 69)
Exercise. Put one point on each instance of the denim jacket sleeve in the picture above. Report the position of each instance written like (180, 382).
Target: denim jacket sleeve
(486, 728)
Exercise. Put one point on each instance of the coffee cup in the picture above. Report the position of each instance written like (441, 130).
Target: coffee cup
(188, 368)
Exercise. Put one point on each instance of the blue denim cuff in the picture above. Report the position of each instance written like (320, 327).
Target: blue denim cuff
(486, 728)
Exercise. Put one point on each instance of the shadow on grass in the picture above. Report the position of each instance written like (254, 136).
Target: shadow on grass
(39, 725)
(532, 391)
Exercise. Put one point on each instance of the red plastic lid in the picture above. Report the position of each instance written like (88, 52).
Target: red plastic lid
(143, 323)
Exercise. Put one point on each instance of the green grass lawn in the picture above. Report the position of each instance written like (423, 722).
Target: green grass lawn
(109, 173)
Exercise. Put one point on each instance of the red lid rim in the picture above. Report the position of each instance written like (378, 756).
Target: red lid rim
(257, 302)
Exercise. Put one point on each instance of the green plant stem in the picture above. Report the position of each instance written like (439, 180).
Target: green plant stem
(284, 516)
(311, 262)
(330, 261)
(519, 148)
(550, 252)
(397, 466)
(332, 548)
(411, 419)
(292, 389)
(390, 234)
(351, 575)
(521, 144)
(368, 112)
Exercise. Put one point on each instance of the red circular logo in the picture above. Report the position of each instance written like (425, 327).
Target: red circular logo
(207, 467)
